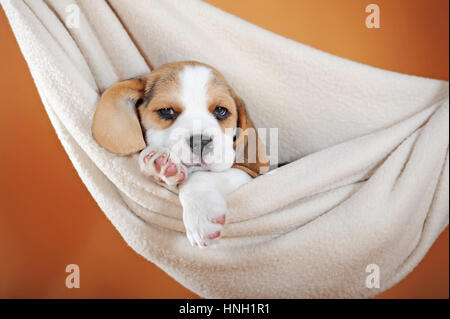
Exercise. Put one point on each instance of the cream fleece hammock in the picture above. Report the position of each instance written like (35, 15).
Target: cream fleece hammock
(368, 182)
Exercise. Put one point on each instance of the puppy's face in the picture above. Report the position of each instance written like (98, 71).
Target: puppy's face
(186, 108)
(190, 110)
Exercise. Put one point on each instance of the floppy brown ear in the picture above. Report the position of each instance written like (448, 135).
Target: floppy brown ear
(248, 144)
(116, 124)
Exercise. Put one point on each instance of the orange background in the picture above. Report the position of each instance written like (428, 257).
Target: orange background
(49, 220)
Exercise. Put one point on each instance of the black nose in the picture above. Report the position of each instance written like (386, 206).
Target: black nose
(198, 143)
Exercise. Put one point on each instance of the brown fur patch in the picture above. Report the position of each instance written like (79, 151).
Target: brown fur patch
(115, 125)
(218, 95)
(162, 91)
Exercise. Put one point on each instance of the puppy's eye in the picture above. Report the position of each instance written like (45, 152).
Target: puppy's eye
(221, 113)
(167, 113)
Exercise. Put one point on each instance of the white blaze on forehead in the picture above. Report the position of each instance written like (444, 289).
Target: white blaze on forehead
(194, 81)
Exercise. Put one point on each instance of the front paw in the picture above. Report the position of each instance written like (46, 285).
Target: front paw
(203, 218)
(162, 166)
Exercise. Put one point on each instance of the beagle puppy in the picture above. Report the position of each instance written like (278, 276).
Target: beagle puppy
(193, 134)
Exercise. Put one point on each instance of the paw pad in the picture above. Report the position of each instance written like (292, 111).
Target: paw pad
(162, 167)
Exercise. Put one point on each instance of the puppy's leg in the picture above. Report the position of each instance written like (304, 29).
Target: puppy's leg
(162, 166)
(204, 207)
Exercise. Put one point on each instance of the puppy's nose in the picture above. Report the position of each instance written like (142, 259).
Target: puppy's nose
(198, 143)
